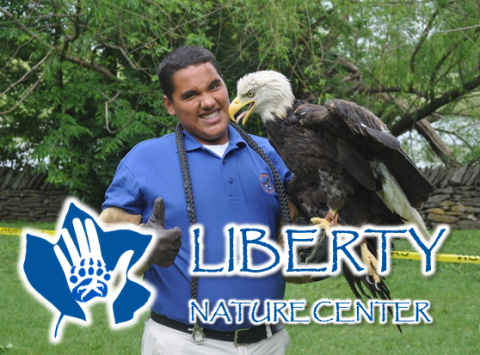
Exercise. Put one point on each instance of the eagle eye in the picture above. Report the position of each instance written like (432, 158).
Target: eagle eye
(251, 93)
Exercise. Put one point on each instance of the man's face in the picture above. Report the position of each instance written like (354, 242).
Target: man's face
(200, 101)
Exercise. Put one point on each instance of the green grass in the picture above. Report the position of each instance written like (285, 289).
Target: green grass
(453, 292)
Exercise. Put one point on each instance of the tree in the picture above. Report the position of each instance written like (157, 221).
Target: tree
(420, 65)
(79, 86)
(75, 99)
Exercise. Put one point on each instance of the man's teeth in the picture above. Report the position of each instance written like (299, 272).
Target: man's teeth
(210, 116)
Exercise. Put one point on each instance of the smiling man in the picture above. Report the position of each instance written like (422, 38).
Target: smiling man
(223, 181)
(200, 100)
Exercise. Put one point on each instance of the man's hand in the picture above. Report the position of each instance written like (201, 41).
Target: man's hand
(168, 241)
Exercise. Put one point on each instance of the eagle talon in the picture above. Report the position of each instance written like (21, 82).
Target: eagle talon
(366, 278)
(330, 220)
(321, 222)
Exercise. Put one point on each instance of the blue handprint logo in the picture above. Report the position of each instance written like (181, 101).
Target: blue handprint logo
(77, 270)
(88, 277)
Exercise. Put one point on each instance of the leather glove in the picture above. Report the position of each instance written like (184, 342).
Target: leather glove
(168, 240)
(308, 255)
(316, 254)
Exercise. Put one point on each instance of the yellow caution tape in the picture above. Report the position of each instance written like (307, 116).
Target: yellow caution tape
(448, 258)
(18, 231)
(408, 255)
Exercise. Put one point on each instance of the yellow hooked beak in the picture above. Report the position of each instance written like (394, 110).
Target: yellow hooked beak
(236, 106)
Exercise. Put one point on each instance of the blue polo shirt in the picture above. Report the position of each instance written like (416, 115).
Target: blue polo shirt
(236, 188)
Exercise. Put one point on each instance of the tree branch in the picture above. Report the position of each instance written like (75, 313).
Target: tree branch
(91, 66)
(457, 29)
(151, 42)
(440, 63)
(69, 58)
(27, 73)
(473, 161)
(456, 135)
(106, 111)
(107, 125)
(24, 28)
(24, 97)
(425, 129)
(408, 121)
(421, 41)
(125, 54)
(361, 85)
(12, 57)
(395, 89)
(434, 117)
(397, 4)
(76, 32)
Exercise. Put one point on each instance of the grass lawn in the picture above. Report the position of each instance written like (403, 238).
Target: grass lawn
(453, 292)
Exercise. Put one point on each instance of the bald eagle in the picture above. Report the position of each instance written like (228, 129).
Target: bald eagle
(346, 164)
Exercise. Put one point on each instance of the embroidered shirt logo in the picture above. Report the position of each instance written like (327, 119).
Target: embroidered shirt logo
(267, 183)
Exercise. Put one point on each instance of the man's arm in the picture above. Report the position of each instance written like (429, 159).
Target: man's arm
(167, 241)
(115, 215)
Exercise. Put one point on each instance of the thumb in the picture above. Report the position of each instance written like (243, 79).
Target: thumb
(159, 211)
(174, 235)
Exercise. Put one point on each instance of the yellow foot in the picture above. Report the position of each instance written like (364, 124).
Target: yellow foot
(327, 222)
(321, 222)
(370, 261)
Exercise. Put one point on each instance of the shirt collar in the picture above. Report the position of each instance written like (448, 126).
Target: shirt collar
(235, 141)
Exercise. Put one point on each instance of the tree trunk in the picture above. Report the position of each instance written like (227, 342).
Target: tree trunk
(425, 129)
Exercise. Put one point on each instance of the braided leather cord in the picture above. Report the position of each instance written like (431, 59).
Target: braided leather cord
(187, 183)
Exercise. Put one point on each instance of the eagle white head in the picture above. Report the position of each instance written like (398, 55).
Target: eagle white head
(268, 93)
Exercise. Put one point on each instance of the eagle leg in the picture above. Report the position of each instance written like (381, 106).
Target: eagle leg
(368, 258)
(330, 220)
(333, 217)
(371, 262)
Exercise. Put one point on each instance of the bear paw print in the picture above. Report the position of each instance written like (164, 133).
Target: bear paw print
(89, 279)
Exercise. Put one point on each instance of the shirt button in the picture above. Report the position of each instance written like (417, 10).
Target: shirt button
(224, 162)
(230, 180)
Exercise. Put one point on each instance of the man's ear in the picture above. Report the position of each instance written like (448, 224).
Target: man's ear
(169, 105)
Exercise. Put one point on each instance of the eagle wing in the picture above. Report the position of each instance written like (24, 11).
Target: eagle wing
(362, 136)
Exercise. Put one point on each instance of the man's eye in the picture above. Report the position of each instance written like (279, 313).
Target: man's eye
(215, 86)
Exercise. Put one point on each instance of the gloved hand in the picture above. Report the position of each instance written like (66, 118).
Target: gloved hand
(316, 254)
(308, 255)
(168, 240)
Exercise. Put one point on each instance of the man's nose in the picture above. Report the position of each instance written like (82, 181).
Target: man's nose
(208, 101)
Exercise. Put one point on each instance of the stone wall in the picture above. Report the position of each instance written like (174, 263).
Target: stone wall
(28, 197)
(456, 200)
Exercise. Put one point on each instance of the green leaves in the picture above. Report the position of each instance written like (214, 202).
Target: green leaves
(342, 49)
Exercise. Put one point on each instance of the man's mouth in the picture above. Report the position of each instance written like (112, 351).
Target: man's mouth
(210, 115)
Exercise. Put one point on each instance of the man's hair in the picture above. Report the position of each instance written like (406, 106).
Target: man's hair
(182, 58)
